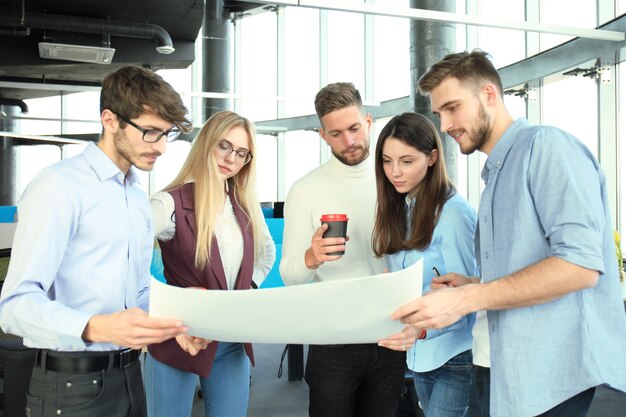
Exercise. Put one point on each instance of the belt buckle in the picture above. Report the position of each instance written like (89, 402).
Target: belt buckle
(126, 358)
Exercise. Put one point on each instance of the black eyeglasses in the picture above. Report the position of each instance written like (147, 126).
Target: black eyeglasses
(225, 148)
(151, 135)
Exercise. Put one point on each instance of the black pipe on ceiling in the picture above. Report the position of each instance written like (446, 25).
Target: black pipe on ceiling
(14, 102)
(90, 25)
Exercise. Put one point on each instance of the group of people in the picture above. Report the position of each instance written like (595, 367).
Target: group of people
(521, 314)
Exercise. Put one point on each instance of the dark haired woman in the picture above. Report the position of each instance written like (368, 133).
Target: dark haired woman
(420, 215)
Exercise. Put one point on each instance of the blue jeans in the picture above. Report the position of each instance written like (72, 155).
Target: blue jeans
(444, 392)
(363, 380)
(479, 392)
(170, 391)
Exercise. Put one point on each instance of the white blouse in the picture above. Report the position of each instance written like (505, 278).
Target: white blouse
(227, 232)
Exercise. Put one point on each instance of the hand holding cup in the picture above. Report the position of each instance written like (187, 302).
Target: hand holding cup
(337, 227)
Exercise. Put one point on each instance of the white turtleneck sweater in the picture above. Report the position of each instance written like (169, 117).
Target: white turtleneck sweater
(331, 188)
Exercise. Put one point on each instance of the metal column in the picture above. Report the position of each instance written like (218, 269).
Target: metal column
(216, 61)
(431, 41)
(8, 165)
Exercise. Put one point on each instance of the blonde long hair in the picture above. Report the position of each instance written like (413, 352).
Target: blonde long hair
(201, 167)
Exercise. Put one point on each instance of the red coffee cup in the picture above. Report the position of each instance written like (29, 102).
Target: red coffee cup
(337, 227)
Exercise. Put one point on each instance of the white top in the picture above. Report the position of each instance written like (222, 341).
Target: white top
(331, 188)
(227, 233)
(480, 332)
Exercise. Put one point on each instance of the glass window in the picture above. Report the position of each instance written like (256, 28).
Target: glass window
(302, 154)
(504, 46)
(82, 106)
(302, 57)
(571, 103)
(552, 12)
(346, 56)
(258, 66)
(392, 77)
(266, 167)
(180, 79)
(45, 107)
(516, 105)
(169, 164)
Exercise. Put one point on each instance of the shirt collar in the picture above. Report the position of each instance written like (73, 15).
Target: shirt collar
(502, 147)
(104, 167)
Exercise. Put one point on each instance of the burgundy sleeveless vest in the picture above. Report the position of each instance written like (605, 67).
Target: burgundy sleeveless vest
(179, 270)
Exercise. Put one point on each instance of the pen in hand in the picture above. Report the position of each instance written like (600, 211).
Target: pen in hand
(436, 271)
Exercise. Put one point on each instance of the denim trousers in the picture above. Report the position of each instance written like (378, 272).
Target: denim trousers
(114, 392)
(359, 380)
(479, 392)
(444, 392)
(170, 391)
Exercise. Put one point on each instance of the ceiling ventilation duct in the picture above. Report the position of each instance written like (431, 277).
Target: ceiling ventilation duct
(90, 25)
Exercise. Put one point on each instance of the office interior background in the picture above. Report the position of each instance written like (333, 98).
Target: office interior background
(561, 63)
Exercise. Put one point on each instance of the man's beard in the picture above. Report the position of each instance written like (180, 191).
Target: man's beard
(480, 135)
(355, 161)
(122, 147)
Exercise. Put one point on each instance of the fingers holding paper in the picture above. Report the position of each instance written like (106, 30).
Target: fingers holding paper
(436, 309)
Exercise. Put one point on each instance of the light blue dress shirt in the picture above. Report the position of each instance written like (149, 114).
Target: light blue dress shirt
(546, 196)
(82, 246)
(451, 250)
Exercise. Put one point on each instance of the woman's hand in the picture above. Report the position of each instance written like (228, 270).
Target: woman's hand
(403, 340)
(191, 344)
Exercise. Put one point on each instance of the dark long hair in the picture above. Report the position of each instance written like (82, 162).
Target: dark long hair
(391, 232)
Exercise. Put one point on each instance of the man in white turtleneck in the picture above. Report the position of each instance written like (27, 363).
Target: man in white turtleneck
(344, 380)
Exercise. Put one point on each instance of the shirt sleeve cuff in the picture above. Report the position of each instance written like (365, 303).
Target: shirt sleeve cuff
(70, 330)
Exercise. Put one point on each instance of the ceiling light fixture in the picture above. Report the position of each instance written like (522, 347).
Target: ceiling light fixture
(80, 53)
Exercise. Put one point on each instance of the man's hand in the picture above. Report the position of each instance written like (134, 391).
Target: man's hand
(401, 341)
(192, 344)
(451, 280)
(315, 256)
(437, 309)
(131, 328)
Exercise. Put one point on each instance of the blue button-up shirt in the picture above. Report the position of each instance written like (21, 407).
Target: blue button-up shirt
(82, 246)
(451, 250)
(546, 196)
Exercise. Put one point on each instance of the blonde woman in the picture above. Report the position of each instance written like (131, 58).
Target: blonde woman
(211, 231)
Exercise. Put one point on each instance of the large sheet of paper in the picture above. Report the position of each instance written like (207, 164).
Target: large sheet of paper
(355, 310)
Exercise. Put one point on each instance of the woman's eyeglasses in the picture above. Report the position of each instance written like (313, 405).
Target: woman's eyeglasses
(225, 148)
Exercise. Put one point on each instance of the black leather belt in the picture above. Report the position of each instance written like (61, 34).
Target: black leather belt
(85, 362)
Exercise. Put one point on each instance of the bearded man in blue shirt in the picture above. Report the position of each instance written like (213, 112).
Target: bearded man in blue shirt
(549, 278)
(77, 285)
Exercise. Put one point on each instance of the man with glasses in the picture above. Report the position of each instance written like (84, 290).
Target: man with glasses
(356, 380)
(77, 287)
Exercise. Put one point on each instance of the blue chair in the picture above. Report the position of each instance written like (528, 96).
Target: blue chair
(275, 226)
(7, 214)
(156, 266)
